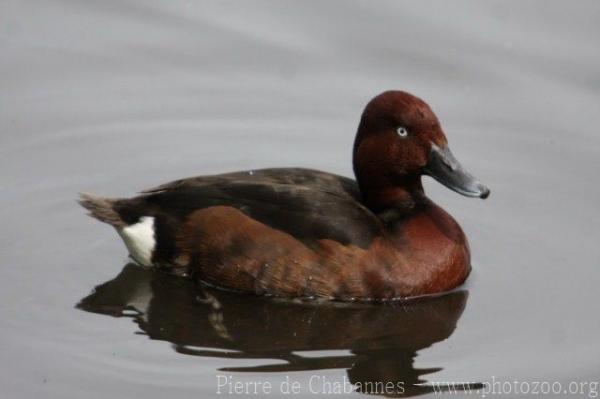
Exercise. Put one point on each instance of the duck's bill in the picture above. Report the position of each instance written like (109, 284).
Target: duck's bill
(443, 167)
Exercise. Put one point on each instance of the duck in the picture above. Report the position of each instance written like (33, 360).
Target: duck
(302, 233)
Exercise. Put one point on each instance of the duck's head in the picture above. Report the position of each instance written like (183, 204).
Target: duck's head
(399, 139)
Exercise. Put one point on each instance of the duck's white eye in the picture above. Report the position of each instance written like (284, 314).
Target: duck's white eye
(402, 131)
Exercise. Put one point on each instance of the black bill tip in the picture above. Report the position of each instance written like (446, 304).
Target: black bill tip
(485, 193)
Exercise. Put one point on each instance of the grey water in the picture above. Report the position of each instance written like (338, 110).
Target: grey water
(115, 96)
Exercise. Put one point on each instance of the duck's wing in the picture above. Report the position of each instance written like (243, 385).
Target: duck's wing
(285, 232)
(334, 184)
(307, 205)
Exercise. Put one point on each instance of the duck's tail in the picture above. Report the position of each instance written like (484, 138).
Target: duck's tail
(102, 209)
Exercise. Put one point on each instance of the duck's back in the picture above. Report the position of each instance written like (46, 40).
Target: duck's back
(241, 223)
(306, 204)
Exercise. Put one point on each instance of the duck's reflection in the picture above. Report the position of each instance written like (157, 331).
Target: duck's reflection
(382, 340)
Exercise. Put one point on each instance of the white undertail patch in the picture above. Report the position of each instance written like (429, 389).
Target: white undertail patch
(140, 240)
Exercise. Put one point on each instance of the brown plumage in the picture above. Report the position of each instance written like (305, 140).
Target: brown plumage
(304, 233)
(101, 209)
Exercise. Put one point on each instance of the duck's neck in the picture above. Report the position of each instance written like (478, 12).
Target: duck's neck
(401, 194)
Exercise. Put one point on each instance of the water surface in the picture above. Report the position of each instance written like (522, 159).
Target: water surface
(116, 96)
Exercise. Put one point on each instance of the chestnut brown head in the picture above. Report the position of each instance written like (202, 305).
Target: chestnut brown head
(399, 139)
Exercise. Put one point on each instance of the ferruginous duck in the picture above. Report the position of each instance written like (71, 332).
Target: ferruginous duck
(294, 232)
